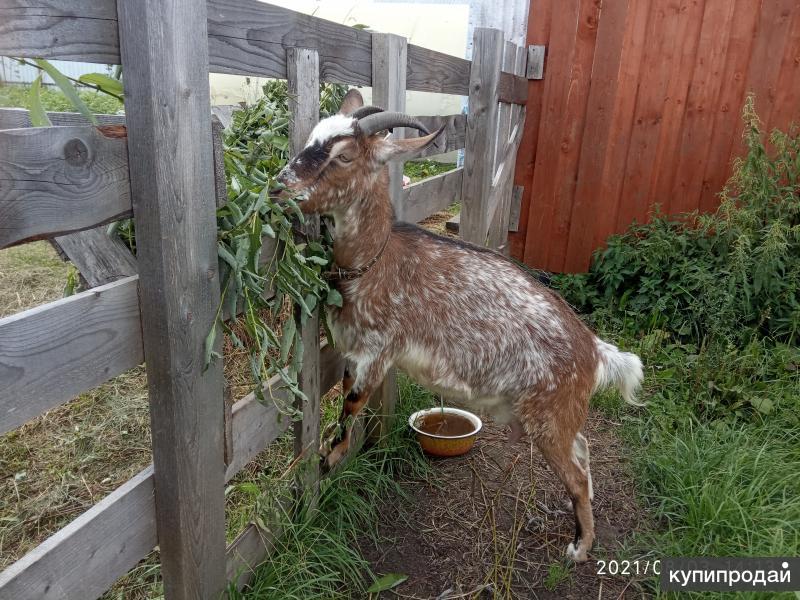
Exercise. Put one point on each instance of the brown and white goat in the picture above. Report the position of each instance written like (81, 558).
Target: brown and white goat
(460, 319)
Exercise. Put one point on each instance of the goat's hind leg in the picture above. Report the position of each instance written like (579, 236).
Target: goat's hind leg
(568, 467)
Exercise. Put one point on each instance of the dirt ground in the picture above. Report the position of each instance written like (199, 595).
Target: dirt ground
(495, 524)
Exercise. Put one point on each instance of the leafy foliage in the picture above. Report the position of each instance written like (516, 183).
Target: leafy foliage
(256, 148)
(733, 275)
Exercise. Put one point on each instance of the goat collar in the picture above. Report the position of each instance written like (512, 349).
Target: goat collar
(338, 273)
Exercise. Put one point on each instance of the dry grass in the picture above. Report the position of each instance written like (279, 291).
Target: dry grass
(30, 275)
(57, 466)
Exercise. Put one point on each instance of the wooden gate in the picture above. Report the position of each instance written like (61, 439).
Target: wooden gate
(640, 104)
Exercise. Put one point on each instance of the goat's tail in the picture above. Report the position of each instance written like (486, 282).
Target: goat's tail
(620, 369)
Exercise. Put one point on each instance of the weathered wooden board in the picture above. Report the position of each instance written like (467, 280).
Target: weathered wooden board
(86, 557)
(99, 257)
(481, 125)
(164, 54)
(56, 180)
(429, 196)
(303, 85)
(52, 353)
(452, 138)
(389, 59)
(246, 37)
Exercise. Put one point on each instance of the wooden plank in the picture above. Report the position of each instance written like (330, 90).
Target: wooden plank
(516, 202)
(164, 52)
(686, 62)
(613, 29)
(539, 19)
(303, 82)
(772, 39)
(518, 114)
(17, 118)
(452, 138)
(431, 195)
(500, 193)
(60, 29)
(540, 207)
(389, 60)
(86, 557)
(56, 180)
(52, 353)
(246, 37)
(535, 66)
(660, 53)
(571, 136)
(99, 257)
(481, 124)
(496, 235)
(698, 122)
(727, 110)
(622, 120)
(512, 89)
(247, 552)
(786, 110)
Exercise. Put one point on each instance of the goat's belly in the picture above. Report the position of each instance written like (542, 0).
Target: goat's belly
(447, 383)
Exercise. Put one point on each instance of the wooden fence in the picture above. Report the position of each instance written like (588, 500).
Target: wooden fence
(63, 182)
(640, 104)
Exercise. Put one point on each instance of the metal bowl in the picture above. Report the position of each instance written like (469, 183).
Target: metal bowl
(445, 445)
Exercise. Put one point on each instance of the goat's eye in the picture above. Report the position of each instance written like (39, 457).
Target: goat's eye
(344, 158)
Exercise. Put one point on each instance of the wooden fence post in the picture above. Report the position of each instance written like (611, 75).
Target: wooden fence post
(482, 122)
(164, 51)
(302, 67)
(389, 66)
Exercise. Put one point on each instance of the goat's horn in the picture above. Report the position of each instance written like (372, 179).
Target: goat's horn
(365, 111)
(374, 123)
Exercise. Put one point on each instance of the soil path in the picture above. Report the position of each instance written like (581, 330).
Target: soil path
(495, 524)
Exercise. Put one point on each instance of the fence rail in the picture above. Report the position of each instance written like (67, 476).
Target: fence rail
(245, 37)
(69, 179)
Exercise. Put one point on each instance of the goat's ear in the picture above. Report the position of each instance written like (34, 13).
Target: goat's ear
(352, 101)
(392, 149)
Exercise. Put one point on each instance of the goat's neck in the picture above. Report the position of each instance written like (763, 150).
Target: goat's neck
(361, 230)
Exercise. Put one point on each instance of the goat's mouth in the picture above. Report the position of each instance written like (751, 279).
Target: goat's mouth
(282, 192)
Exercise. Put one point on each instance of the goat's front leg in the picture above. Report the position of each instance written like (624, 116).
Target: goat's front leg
(357, 396)
(331, 435)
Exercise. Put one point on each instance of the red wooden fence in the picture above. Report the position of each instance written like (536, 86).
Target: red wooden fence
(640, 104)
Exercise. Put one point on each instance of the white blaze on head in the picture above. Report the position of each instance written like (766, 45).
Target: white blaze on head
(330, 128)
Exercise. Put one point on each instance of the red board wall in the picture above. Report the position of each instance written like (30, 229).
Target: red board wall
(640, 105)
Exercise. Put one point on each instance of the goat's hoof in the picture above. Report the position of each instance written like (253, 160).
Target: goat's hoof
(576, 554)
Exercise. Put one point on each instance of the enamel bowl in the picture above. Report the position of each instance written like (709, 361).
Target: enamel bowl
(445, 445)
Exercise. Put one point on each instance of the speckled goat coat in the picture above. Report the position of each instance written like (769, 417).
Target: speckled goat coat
(461, 320)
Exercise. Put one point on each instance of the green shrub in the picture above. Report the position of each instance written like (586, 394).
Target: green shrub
(734, 274)
(53, 99)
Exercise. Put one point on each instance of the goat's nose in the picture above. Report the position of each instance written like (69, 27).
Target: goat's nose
(276, 188)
